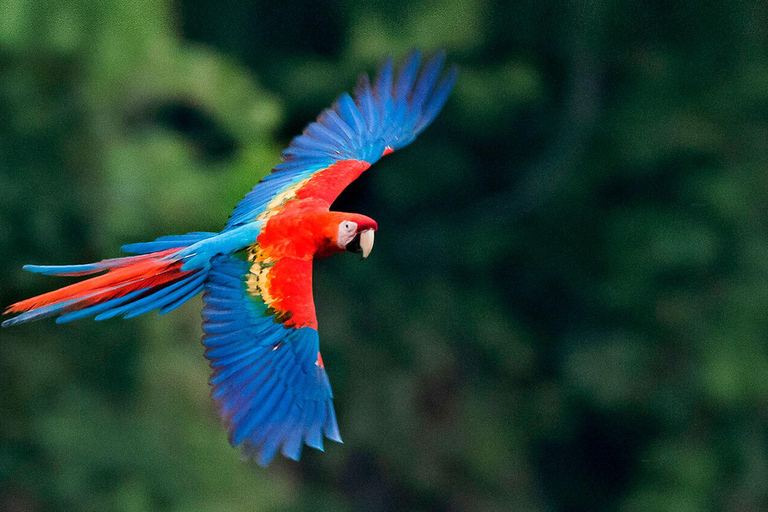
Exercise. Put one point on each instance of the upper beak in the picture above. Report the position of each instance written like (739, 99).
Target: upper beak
(366, 242)
(362, 243)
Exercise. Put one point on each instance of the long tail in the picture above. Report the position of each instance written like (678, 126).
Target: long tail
(131, 286)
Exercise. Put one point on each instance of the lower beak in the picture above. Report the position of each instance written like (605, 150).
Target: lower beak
(362, 243)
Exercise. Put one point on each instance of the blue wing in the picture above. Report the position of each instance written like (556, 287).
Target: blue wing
(269, 381)
(384, 116)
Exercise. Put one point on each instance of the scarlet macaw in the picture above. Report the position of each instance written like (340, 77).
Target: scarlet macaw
(259, 320)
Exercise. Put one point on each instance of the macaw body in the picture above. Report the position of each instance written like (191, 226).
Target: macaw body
(261, 339)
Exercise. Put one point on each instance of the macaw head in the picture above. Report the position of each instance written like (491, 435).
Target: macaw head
(355, 234)
(340, 231)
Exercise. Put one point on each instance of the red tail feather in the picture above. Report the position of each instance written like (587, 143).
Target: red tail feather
(136, 273)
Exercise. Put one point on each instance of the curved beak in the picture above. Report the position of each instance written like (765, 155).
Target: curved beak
(366, 242)
(362, 243)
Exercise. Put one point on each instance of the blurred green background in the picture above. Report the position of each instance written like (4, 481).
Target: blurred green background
(566, 308)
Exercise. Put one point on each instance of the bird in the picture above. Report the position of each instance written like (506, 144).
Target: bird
(260, 334)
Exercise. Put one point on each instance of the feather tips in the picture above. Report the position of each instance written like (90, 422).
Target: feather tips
(389, 113)
(154, 279)
(270, 391)
(127, 279)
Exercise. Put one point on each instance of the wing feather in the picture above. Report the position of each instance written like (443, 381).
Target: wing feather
(382, 117)
(266, 380)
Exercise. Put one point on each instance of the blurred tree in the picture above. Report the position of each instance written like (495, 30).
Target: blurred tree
(566, 308)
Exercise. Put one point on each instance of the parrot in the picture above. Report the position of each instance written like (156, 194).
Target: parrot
(260, 336)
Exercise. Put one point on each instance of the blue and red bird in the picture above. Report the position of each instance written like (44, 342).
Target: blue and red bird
(259, 319)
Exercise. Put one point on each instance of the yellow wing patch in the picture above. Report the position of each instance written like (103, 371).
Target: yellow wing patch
(281, 198)
(258, 276)
(261, 265)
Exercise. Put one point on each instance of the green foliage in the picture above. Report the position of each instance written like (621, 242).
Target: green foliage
(566, 308)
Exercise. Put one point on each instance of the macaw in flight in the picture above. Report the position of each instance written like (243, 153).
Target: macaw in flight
(268, 378)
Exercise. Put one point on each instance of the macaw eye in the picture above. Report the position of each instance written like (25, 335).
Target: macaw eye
(347, 232)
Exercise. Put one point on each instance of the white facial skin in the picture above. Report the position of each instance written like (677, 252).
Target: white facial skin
(347, 232)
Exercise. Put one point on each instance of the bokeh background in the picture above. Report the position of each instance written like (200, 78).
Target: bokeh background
(566, 308)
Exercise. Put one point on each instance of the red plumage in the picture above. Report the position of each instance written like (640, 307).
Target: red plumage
(300, 231)
(123, 276)
(329, 183)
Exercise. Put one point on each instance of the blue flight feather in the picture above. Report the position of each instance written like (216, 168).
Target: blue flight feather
(98, 308)
(388, 114)
(262, 382)
(166, 242)
(65, 270)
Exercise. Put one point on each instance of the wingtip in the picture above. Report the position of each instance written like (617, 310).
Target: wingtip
(453, 73)
(437, 59)
(449, 80)
(413, 55)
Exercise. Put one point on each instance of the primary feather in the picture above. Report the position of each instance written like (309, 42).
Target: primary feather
(389, 114)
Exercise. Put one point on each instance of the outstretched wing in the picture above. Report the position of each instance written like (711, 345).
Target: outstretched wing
(352, 135)
(259, 316)
(261, 339)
